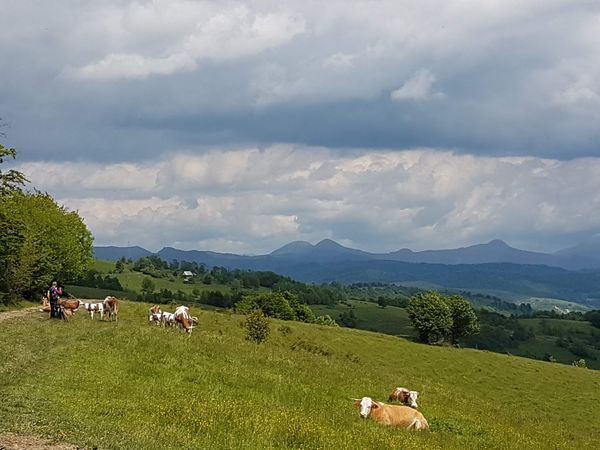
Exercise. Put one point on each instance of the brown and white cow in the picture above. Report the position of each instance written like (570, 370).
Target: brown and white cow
(92, 308)
(183, 318)
(392, 415)
(111, 307)
(155, 315)
(404, 396)
(70, 306)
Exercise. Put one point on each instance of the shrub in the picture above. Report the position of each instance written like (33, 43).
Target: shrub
(272, 304)
(580, 363)
(257, 326)
(326, 320)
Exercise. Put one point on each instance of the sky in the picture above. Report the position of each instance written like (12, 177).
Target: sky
(241, 126)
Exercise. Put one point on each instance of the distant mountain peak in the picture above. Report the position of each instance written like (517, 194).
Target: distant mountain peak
(328, 243)
(293, 247)
(498, 243)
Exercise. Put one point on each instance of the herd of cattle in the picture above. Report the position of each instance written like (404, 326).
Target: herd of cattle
(405, 415)
(109, 306)
(181, 317)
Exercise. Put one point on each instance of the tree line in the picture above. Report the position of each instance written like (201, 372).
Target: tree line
(40, 240)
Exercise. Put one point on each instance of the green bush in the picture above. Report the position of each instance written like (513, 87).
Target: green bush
(580, 363)
(257, 326)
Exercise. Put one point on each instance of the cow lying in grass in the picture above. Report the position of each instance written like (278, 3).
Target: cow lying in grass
(393, 415)
(404, 396)
(92, 308)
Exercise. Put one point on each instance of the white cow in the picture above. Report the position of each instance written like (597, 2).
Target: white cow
(167, 319)
(91, 308)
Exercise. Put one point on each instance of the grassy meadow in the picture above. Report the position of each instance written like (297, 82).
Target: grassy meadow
(370, 316)
(135, 386)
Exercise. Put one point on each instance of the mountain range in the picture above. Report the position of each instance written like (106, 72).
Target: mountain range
(571, 274)
(580, 257)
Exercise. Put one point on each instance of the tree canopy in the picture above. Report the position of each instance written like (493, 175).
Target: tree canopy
(40, 241)
(438, 318)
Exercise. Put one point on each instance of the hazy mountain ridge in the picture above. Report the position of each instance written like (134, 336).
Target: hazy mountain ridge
(491, 266)
(579, 257)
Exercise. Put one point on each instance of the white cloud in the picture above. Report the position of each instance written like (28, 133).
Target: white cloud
(209, 34)
(252, 201)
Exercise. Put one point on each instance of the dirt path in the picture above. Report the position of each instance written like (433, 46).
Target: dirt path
(18, 313)
(10, 441)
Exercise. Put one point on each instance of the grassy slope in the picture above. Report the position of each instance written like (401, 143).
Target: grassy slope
(394, 321)
(130, 385)
(370, 316)
(132, 281)
(543, 343)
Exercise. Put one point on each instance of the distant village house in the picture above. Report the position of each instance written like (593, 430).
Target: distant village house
(187, 275)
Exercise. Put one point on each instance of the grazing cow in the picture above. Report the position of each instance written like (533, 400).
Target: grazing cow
(92, 308)
(111, 306)
(183, 318)
(405, 396)
(155, 315)
(167, 319)
(70, 306)
(393, 415)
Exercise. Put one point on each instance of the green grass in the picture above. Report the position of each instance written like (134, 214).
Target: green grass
(370, 316)
(580, 332)
(21, 305)
(132, 281)
(103, 266)
(134, 386)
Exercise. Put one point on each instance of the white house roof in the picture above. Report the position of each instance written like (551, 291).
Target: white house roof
(187, 273)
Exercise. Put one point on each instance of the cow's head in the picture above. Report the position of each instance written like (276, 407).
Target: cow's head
(365, 405)
(412, 399)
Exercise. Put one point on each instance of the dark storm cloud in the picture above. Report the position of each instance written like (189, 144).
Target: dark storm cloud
(243, 125)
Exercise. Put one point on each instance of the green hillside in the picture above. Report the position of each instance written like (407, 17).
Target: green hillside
(135, 386)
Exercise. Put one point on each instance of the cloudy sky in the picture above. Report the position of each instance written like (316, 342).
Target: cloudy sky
(241, 126)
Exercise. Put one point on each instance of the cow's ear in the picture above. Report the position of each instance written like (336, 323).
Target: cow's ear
(375, 405)
(357, 403)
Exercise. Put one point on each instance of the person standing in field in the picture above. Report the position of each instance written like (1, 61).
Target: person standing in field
(55, 309)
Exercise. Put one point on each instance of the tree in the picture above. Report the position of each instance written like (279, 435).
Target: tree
(464, 319)
(43, 242)
(593, 317)
(438, 317)
(13, 180)
(272, 304)
(431, 316)
(382, 301)
(148, 285)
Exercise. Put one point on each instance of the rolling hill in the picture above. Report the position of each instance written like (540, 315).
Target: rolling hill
(485, 268)
(135, 386)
